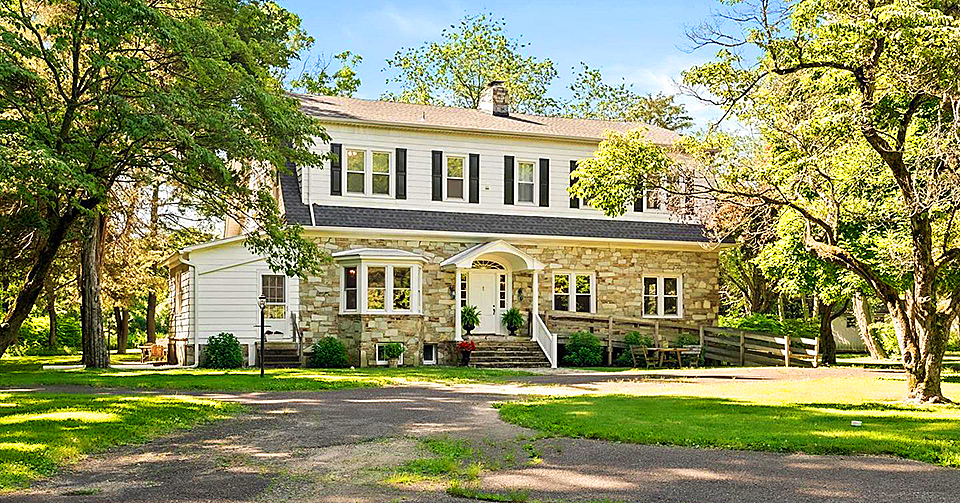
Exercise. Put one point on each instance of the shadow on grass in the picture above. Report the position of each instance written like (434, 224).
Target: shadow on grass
(924, 433)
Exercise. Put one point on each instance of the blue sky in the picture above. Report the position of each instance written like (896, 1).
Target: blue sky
(640, 41)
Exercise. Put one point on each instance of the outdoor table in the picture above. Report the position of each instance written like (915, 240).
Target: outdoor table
(664, 352)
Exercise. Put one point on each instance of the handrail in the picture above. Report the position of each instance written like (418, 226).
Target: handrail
(546, 340)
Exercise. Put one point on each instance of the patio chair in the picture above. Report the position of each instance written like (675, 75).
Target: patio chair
(639, 353)
(692, 353)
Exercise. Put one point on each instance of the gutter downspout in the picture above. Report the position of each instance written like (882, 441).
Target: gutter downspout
(193, 312)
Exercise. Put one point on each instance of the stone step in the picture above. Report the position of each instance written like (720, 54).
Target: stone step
(510, 364)
(508, 352)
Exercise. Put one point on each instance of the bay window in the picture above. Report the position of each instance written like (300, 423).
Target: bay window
(380, 287)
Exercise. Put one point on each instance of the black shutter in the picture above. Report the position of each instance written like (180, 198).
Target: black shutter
(574, 201)
(437, 175)
(401, 190)
(474, 178)
(638, 202)
(544, 182)
(336, 183)
(508, 179)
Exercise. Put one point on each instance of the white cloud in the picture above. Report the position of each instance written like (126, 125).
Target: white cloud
(409, 24)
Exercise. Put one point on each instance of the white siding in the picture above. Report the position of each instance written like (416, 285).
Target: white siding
(492, 149)
(228, 284)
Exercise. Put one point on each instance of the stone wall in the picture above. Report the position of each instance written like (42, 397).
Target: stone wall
(618, 275)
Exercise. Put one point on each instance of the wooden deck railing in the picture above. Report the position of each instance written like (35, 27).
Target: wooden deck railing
(720, 344)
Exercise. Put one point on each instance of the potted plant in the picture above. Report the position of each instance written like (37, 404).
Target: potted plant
(466, 347)
(392, 352)
(512, 319)
(469, 318)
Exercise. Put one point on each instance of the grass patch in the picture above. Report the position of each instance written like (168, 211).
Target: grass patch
(930, 434)
(26, 371)
(445, 458)
(40, 432)
(459, 490)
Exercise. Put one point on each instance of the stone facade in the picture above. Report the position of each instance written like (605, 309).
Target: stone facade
(619, 272)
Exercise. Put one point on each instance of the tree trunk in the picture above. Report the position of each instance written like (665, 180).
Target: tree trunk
(151, 318)
(27, 297)
(922, 346)
(122, 317)
(51, 297)
(828, 346)
(95, 353)
(864, 315)
(781, 308)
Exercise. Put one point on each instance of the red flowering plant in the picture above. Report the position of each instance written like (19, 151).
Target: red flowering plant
(466, 346)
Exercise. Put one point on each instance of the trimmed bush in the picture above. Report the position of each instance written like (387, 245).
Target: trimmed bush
(583, 350)
(393, 350)
(328, 353)
(223, 352)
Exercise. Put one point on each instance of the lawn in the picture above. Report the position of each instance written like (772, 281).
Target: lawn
(18, 372)
(810, 416)
(40, 432)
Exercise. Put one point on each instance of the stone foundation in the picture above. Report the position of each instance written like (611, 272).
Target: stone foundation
(619, 272)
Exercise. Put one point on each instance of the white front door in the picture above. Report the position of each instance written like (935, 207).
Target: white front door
(484, 294)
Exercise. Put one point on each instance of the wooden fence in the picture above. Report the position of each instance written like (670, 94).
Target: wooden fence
(720, 344)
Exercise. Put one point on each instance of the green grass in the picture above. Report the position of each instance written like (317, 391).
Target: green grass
(17, 372)
(40, 432)
(444, 457)
(930, 434)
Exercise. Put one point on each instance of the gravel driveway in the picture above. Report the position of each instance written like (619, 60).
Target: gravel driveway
(335, 446)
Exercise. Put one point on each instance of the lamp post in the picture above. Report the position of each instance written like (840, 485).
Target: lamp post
(262, 302)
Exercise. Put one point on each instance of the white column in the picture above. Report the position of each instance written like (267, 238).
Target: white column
(457, 334)
(536, 299)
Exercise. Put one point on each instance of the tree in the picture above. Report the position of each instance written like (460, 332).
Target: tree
(343, 82)
(856, 106)
(470, 55)
(185, 93)
(595, 99)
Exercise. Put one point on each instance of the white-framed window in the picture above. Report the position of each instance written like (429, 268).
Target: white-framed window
(368, 172)
(350, 282)
(356, 171)
(380, 182)
(380, 288)
(463, 290)
(455, 166)
(429, 354)
(382, 358)
(662, 296)
(652, 200)
(574, 291)
(273, 287)
(526, 181)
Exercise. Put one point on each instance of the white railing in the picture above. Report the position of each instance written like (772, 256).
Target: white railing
(547, 341)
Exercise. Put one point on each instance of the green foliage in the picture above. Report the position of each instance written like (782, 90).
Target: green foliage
(343, 82)
(637, 339)
(583, 349)
(34, 334)
(455, 70)
(887, 336)
(328, 352)
(469, 317)
(771, 324)
(223, 352)
(512, 318)
(595, 99)
(393, 350)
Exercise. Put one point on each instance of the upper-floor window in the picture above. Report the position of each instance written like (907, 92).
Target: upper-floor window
(526, 181)
(273, 288)
(368, 172)
(454, 177)
(662, 296)
(652, 200)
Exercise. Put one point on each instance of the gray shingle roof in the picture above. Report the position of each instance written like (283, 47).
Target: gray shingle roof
(340, 109)
(293, 208)
(485, 223)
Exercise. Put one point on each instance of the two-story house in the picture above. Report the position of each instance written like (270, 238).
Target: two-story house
(428, 209)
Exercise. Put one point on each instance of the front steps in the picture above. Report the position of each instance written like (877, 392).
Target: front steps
(280, 355)
(504, 351)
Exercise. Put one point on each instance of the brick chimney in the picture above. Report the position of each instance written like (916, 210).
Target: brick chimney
(495, 99)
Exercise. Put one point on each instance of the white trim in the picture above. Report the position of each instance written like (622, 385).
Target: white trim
(286, 295)
(572, 289)
(513, 258)
(368, 172)
(435, 349)
(363, 270)
(660, 296)
(376, 353)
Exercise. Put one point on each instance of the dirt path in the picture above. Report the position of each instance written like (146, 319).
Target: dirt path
(336, 447)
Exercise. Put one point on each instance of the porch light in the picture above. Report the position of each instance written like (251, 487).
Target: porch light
(262, 301)
(520, 294)
(453, 292)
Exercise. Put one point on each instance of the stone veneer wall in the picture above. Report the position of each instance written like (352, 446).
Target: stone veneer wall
(618, 270)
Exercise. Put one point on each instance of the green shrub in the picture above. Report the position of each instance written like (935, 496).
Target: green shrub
(583, 350)
(688, 340)
(887, 336)
(328, 353)
(393, 350)
(223, 352)
(637, 339)
(771, 324)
